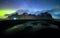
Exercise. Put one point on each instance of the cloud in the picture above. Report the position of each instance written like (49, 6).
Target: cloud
(55, 9)
(55, 12)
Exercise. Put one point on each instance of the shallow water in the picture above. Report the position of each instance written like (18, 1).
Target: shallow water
(30, 26)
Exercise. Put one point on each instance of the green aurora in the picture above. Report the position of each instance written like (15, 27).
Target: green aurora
(3, 12)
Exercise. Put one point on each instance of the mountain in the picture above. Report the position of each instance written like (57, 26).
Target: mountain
(21, 11)
(37, 12)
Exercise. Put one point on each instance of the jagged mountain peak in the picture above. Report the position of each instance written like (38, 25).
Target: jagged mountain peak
(21, 11)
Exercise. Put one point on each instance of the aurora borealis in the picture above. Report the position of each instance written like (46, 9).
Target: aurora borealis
(5, 11)
(15, 16)
(10, 6)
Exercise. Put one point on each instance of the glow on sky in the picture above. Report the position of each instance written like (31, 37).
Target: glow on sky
(3, 12)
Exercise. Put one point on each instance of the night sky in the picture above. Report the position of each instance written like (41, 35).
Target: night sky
(10, 6)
